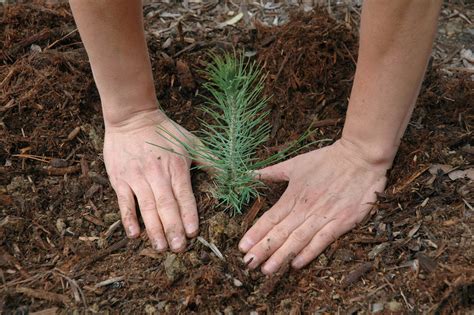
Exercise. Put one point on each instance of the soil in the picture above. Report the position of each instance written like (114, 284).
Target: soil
(61, 243)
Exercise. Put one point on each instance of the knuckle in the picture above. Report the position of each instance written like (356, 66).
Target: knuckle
(123, 199)
(165, 202)
(179, 163)
(281, 233)
(177, 166)
(147, 205)
(172, 230)
(271, 217)
(328, 237)
(134, 168)
(188, 203)
(299, 235)
(188, 215)
(128, 217)
(183, 192)
(154, 232)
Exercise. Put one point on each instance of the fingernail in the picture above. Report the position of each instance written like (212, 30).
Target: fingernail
(297, 263)
(160, 245)
(177, 243)
(249, 260)
(269, 267)
(245, 245)
(132, 231)
(191, 228)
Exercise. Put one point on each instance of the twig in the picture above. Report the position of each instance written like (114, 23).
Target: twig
(112, 229)
(350, 54)
(109, 250)
(281, 68)
(64, 37)
(399, 188)
(109, 281)
(212, 247)
(33, 157)
(409, 306)
(77, 291)
(327, 122)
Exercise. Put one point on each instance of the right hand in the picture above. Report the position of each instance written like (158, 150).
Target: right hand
(159, 179)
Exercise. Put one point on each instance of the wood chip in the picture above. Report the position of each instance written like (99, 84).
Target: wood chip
(109, 281)
(73, 134)
(54, 171)
(377, 250)
(45, 295)
(426, 263)
(357, 273)
(150, 252)
(48, 311)
(252, 213)
(270, 284)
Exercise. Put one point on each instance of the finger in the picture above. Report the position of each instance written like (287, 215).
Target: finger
(183, 191)
(126, 203)
(275, 238)
(297, 240)
(146, 202)
(268, 220)
(327, 235)
(168, 210)
(278, 172)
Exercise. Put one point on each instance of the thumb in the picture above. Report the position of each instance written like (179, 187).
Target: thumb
(204, 163)
(278, 173)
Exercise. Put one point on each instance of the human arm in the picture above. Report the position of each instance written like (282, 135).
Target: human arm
(330, 190)
(113, 35)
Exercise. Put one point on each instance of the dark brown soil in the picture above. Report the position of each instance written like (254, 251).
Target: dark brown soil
(59, 240)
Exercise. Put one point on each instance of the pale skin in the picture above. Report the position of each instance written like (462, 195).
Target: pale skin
(329, 190)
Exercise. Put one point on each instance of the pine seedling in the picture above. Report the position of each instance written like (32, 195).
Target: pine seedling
(237, 129)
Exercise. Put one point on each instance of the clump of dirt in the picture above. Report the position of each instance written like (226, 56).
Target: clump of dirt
(62, 246)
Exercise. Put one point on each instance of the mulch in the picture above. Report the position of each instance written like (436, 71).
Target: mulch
(61, 243)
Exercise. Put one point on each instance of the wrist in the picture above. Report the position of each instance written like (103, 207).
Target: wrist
(124, 104)
(371, 155)
(136, 119)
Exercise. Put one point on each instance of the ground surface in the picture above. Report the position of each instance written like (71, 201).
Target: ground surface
(61, 243)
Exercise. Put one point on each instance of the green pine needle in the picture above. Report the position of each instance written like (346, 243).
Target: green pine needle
(238, 128)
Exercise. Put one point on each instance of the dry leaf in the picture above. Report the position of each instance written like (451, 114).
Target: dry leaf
(435, 168)
(469, 173)
(231, 21)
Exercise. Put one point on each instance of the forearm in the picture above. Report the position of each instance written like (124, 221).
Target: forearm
(396, 38)
(112, 33)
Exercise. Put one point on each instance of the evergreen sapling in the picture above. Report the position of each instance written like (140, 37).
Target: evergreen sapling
(237, 129)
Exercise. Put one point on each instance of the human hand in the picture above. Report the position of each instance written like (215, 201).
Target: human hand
(330, 190)
(159, 179)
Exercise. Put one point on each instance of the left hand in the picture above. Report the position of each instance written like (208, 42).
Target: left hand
(330, 190)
